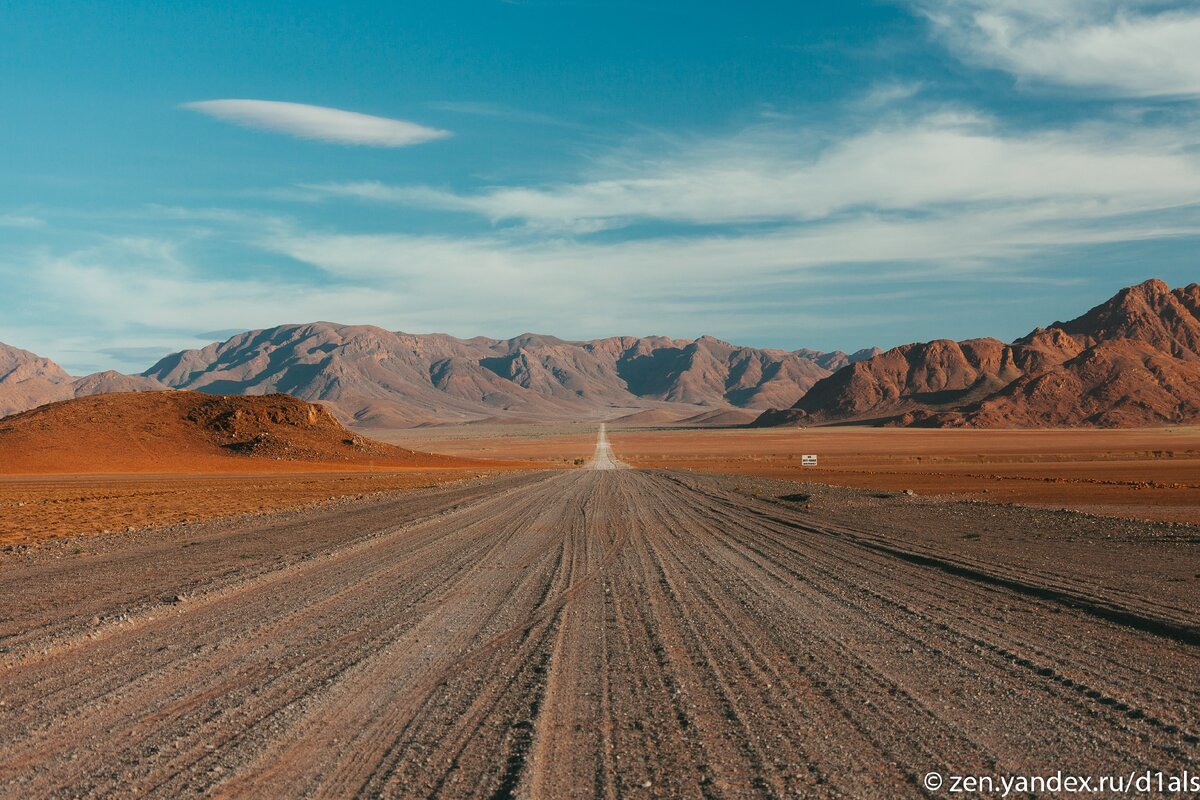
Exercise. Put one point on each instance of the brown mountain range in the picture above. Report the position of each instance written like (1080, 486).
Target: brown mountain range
(1134, 360)
(377, 378)
(28, 381)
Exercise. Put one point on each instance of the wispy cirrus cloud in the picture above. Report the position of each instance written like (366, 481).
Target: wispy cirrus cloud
(499, 111)
(568, 277)
(942, 160)
(735, 284)
(1128, 48)
(318, 122)
(20, 221)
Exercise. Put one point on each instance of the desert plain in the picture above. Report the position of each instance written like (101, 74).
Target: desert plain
(235, 595)
(125, 462)
(1139, 473)
(713, 622)
(1149, 473)
(542, 400)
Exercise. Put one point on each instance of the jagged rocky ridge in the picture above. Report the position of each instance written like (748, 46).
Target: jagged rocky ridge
(1131, 361)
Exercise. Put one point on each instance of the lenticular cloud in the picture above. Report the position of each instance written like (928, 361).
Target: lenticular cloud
(318, 122)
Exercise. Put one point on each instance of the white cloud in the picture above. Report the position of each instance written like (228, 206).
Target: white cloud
(498, 111)
(318, 122)
(889, 93)
(745, 284)
(760, 222)
(20, 221)
(943, 160)
(1132, 48)
(506, 274)
(130, 292)
(126, 293)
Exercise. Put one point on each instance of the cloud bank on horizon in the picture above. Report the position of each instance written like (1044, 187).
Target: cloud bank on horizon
(832, 178)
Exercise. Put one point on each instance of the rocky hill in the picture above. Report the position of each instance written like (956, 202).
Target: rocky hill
(190, 431)
(1134, 360)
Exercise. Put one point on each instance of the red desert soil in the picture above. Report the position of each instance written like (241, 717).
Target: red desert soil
(34, 510)
(1146, 473)
(118, 461)
(183, 431)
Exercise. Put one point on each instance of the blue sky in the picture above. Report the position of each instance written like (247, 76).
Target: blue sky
(831, 175)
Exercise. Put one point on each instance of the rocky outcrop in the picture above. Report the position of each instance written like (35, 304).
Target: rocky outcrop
(1134, 360)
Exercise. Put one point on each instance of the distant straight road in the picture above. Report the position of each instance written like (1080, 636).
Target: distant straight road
(604, 458)
(591, 633)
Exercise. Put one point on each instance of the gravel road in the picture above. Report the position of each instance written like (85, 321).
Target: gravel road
(591, 633)
(603, 457)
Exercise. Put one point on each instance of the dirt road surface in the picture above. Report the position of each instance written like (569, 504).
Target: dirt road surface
(604, 458)
(1143, 473)
(589, 633)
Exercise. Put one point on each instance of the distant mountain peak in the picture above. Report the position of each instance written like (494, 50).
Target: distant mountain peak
(28, 380)
(1150, 312)
(1132, 360)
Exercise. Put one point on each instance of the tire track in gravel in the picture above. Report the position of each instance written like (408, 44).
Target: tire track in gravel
(196, 560)
(593, 633)
(364, 556)
(1109, 644)
(1145, 613)
(989, 605)
(289, 639)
